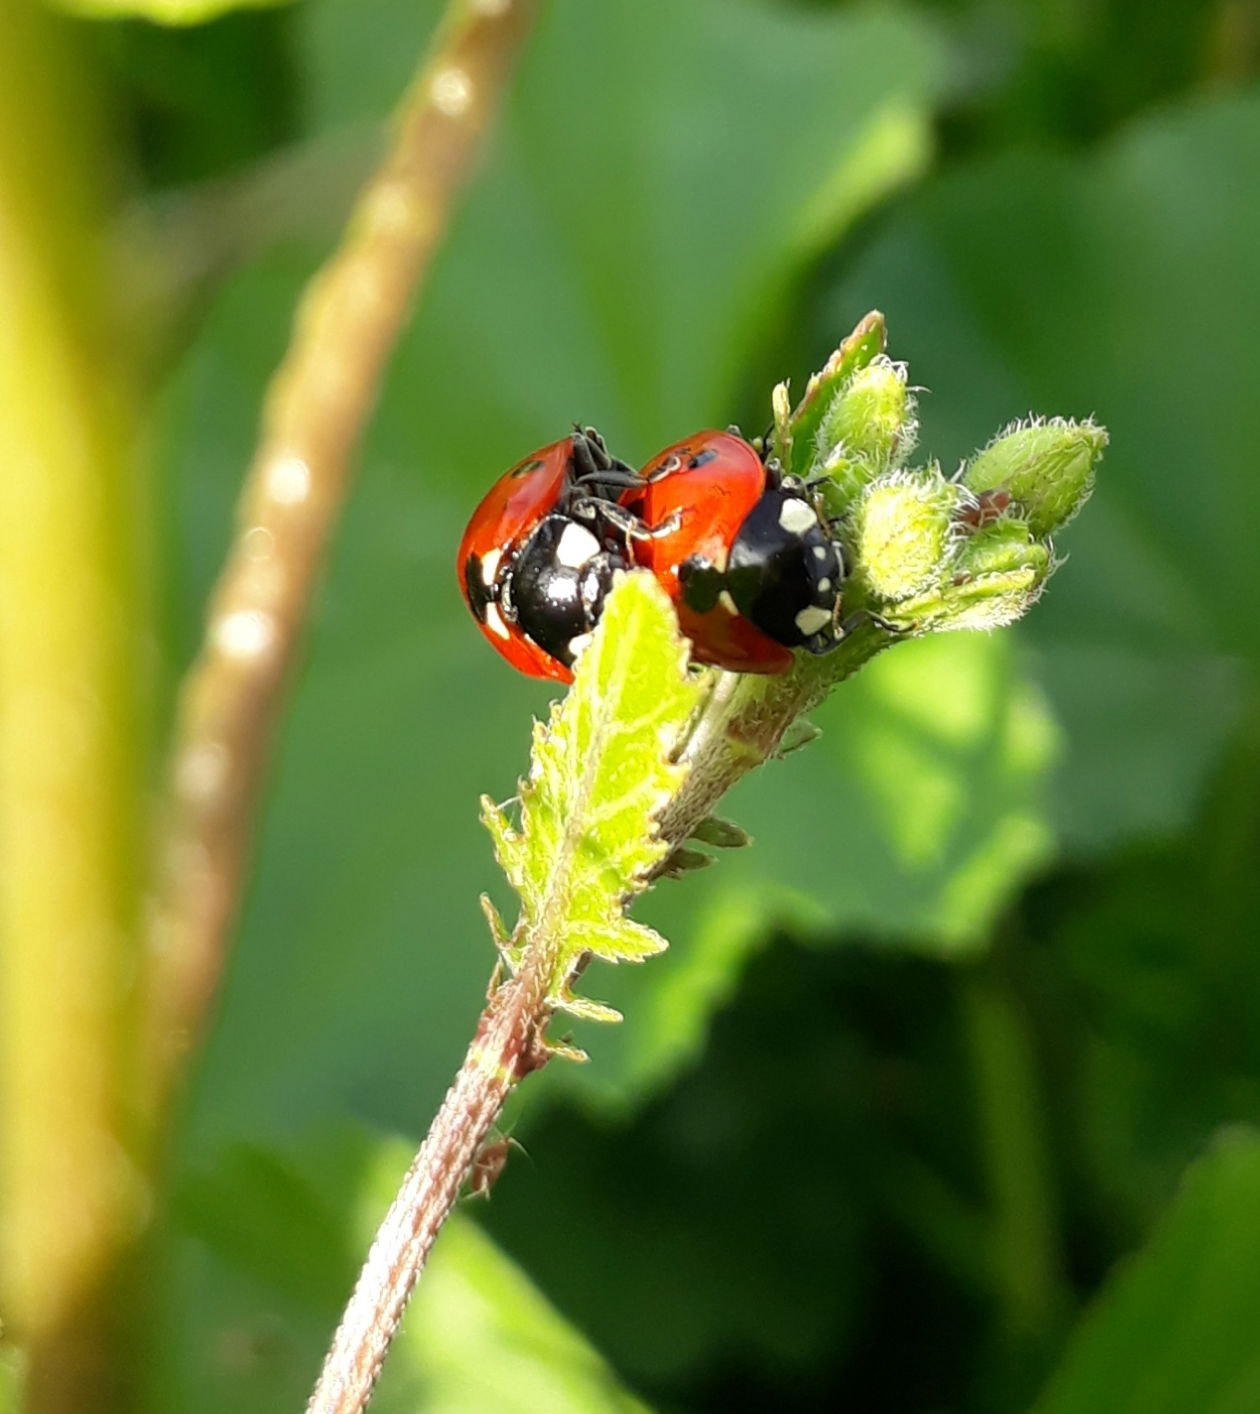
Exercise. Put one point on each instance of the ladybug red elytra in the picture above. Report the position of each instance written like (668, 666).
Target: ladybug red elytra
(537, 559)
(739, 549)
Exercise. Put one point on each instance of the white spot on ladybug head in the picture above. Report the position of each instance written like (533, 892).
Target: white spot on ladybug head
(823, 586)
(576, 547)
(576, 645)
(728, 603)
(820, 552)
(490, 566)
(796, 516)
(812, 620)
(494, 621)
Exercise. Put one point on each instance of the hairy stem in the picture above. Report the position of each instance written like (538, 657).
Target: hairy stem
(507, 1046)
(315, 413)
(743, 721)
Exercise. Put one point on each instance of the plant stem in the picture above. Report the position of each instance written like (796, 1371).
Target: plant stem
(315, 413)
(73, 622)
(743, 721)
(739, 725)
(507, 1046)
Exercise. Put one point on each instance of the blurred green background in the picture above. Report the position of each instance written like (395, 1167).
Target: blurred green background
(978, 1017)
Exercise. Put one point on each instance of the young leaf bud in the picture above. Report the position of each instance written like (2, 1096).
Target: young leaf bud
(1048, 468)
(902, 534)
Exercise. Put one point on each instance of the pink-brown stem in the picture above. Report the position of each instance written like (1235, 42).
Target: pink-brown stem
(315, 413)
(507, 1046)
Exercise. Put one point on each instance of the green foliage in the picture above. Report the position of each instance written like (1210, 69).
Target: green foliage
(600, 773)
(1175, 1328)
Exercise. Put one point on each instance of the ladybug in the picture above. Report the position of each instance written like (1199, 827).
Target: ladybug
(537, 559)
(740, 549)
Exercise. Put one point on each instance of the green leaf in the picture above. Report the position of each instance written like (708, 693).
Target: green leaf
(1175, 1329)
(270, 1242)
(912, 822)
(600, 775)
(721, 834)
(795, 445)
(482, 1336)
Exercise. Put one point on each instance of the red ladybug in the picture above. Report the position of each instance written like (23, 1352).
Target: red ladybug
(739, 549)
(537, 559)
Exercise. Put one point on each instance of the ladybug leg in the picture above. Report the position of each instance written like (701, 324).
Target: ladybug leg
(667, 527)
(618, 474)
(822, 643)
(859, 618)
(626, 521)
(596, 508)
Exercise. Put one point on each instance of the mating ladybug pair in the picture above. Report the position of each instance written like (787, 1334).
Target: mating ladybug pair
(738, 547)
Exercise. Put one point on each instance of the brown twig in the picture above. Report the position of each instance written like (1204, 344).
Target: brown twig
(507, 1046)
(316, 409)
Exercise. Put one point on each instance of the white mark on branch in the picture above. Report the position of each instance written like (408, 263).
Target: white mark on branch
(452, 92)
(247, 633)
(258, 545)
(289, 481)
(202, 770)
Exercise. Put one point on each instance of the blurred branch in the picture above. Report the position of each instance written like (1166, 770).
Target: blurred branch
(315, 413)
(72, 630)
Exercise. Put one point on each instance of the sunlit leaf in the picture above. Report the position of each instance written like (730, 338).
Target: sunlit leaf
(599, 777)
